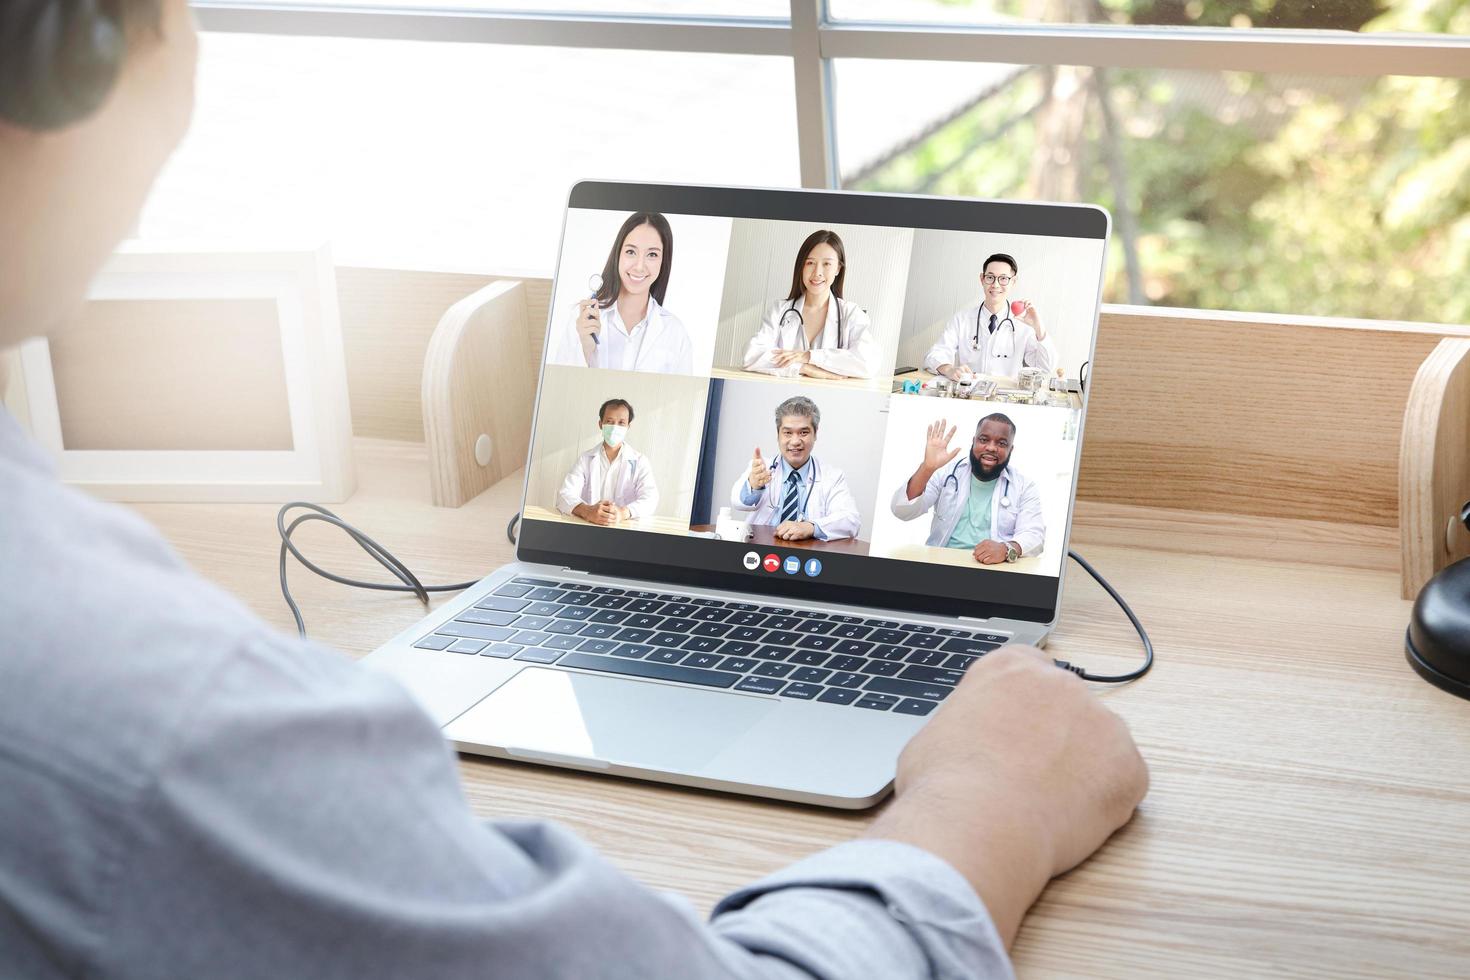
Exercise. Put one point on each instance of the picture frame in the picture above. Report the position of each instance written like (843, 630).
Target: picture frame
(198, 374)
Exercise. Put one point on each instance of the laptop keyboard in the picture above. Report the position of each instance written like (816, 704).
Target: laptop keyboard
(878, 664)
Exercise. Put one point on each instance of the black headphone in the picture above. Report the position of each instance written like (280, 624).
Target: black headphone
(58, 59)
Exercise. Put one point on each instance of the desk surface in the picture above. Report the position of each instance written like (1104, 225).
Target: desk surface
(959, 557)
(662, 525)
(1310, 794)
(764, 536)
(882, 383)
(1003, 384)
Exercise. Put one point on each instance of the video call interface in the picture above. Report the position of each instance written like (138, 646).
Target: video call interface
(816, 393)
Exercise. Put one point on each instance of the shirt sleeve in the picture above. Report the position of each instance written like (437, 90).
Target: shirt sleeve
(946, 348)
(570, 494)
(758, 351)
(308, 821)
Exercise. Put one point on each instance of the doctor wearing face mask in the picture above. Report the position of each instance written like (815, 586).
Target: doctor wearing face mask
(997, 337)
(813, 331)
(612, 482)
(800, 495)
(624, 325)
(981, 503)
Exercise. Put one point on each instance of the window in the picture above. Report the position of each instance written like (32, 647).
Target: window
(1338, 189)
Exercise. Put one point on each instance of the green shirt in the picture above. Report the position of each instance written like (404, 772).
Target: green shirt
(974, 525)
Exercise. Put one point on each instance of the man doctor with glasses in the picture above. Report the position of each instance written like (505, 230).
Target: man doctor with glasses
(995, 337)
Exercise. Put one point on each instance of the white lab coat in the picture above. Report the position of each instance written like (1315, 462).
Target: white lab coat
(829, 503)
(659, 342)
(859, 359)
(1015, 510)
(1004, 352)
(633, 476)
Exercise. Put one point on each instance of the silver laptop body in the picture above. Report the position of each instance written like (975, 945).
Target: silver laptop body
(872, 640)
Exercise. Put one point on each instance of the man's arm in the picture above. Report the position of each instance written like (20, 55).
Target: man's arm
(308, 821)
(946, 350)
(1030, 532)
(645, 500)
(841, 519)
(569, 497)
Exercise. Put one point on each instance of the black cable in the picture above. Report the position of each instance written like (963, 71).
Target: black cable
(1148, 647)
(510, 529)
(380, 554)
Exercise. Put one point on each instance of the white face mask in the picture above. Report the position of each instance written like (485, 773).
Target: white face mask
(614, 435)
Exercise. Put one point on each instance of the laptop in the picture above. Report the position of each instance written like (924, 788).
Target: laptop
(798, 459)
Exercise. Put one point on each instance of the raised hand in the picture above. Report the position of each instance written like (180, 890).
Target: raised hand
(760, 473)
(936, 445)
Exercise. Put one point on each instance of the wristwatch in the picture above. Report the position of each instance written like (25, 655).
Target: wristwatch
(1012, 552)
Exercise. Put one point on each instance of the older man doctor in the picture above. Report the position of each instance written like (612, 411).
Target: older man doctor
(981, 503)
(611, 482)
(802, 496)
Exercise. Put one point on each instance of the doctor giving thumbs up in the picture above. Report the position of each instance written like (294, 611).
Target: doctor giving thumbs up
(760, 473)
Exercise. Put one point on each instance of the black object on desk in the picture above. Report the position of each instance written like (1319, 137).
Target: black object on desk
(1438, 642)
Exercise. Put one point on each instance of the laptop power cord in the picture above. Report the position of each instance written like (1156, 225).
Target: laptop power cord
(408, 582)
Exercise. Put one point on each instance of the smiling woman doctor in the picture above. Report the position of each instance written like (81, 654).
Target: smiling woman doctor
(814, 331)
(624, 325)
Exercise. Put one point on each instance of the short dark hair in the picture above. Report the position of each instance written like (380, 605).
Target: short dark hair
(60, 60)
(612, 285)
(819, 237)
(1000, 257)
(615, 403)
(997, 417)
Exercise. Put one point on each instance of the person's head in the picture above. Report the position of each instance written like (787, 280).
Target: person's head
(797, 419)
(991, 449)
(996, 276)
(94, 96)
(640, 261)
(613, 418)
(821, 265)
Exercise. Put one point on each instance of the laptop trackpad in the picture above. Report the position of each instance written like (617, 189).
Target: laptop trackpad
(608, 719)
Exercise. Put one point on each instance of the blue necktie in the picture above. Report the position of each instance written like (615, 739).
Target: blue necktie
(790, 505)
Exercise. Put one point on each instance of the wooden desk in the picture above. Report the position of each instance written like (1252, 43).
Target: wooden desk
(1310, 794)
(764, 536)
(1003, 384)
(660, 525)
(958, 557)
(859, 384)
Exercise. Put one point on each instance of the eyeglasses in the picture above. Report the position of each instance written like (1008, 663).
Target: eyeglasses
(990, 280)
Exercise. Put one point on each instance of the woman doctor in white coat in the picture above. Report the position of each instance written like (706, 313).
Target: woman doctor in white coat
(624, 325)
(814, 332)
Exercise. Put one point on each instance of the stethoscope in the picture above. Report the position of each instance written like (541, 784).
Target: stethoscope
(801, 322)
(975, 343)
(953, 477)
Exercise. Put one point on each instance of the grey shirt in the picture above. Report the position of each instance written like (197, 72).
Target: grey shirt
(184, 792)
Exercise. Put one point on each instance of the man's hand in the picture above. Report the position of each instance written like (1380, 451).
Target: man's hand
(1031, 316)
(605, 513)
(794, 530)
(936, 445)
(1019, 776)
(990, 552)
(760, 474)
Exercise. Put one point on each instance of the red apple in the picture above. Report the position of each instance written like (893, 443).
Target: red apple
(1017, 307)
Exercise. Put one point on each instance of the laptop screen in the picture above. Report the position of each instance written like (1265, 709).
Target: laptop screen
(853, 398)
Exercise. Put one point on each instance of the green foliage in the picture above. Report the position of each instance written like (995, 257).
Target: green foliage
(1340, 197)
